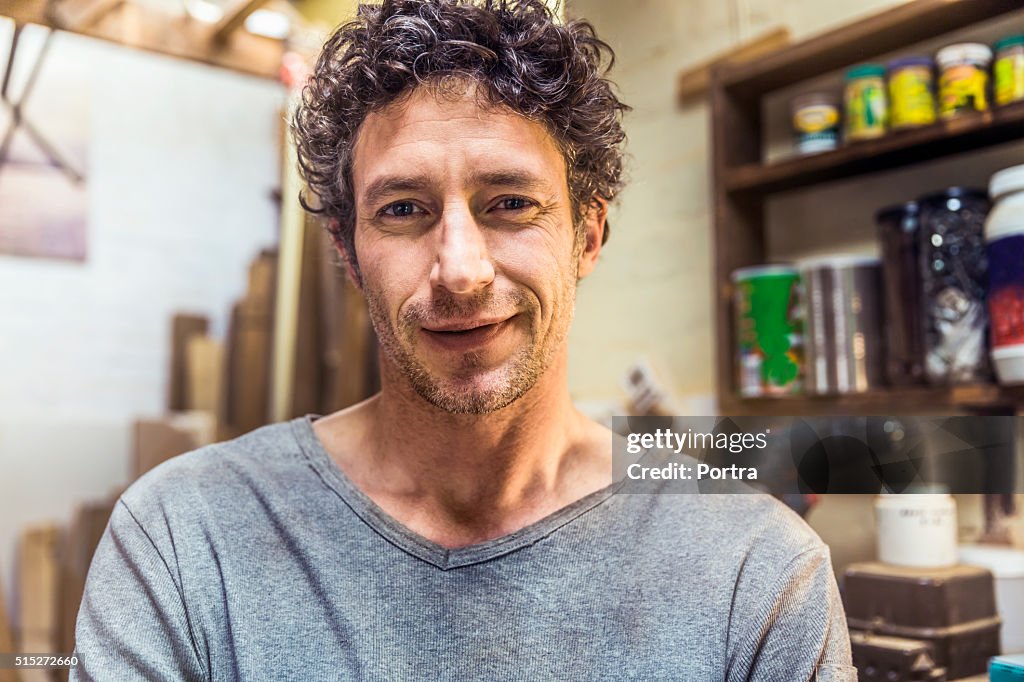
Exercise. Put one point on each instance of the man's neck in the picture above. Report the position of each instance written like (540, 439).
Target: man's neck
(459, 479)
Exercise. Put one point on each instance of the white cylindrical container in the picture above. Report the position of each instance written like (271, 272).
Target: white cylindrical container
(917, 530)
(1004, 237)
(1007, 566)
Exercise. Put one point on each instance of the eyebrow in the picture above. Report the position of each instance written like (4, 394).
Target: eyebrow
(392, 184)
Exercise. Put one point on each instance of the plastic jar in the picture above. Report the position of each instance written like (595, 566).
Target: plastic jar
(815, 122)
(1004, 234)
(1008, 70)
(865, 103)
(963, 85)
(911, 92)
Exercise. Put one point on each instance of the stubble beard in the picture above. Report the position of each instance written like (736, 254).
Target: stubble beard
(462, 392)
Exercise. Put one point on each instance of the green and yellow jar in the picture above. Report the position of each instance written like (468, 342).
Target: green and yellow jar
(865, 103)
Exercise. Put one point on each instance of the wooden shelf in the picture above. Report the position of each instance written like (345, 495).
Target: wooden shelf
(863, 40)
(742, 183)
(987, 398)
(899, 148)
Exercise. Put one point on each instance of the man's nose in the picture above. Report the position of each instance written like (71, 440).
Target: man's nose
(463, 264)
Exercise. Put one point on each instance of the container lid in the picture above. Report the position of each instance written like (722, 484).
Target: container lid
(838, 261)
(764, 271)
(865, 71)
(896, 212)
(1009, 41)
(1006, 181)
(960, 53)
(916, 60)
(953, 193)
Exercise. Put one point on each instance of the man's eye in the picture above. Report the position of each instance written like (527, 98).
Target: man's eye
(514, 203)
(400, 209)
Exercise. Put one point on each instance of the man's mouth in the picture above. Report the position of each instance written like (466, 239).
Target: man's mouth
(464, 335)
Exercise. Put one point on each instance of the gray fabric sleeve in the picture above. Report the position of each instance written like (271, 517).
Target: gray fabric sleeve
(798, 630)
(132, 624)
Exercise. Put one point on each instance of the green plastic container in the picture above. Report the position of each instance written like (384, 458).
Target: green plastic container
(769, 327)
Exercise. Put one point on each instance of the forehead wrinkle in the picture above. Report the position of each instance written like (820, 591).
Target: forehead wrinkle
(513, 177)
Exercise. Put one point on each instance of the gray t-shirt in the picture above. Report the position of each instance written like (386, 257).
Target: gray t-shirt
(257, 559)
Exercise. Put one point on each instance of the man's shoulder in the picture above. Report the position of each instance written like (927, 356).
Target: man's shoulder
(220, 472)
(740, 527)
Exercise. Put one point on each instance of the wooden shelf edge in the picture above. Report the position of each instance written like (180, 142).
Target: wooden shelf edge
(986, 398)
(899, 148)
(859, 41)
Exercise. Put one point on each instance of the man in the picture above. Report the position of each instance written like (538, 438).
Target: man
(463, 523)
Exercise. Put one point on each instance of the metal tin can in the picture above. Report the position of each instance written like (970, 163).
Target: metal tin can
(769, 329)
(865, 102)
(816, 122)
(911, 92)
(844, 324)
(963, 85)
(1008, 70)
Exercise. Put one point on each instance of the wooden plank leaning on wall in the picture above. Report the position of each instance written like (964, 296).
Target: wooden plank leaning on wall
(335, 349)
(249, 350)
(184, 327)
(39, 596)
(6, 640)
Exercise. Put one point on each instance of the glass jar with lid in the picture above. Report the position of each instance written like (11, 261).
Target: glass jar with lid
(865, 103)
(954, 277)
(1008, 70)
(911, 92)
(963, 84)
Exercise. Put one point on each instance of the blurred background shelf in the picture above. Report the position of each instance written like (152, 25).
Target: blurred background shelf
(744, 180)
(912, 400)
(899, 148)
(913, 22)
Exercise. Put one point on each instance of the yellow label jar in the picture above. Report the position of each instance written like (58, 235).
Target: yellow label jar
(815, 122)
(911, 92)
(1008, 71)
(963, 84)
(865, 102)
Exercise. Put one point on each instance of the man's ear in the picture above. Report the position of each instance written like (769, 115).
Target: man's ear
(593, 235)
(347, 258)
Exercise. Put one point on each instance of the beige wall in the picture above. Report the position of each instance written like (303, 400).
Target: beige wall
(650, 296)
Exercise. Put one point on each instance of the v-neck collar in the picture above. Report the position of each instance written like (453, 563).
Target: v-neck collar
(415, 544)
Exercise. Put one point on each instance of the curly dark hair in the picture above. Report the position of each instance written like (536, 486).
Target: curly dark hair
(522, 57)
